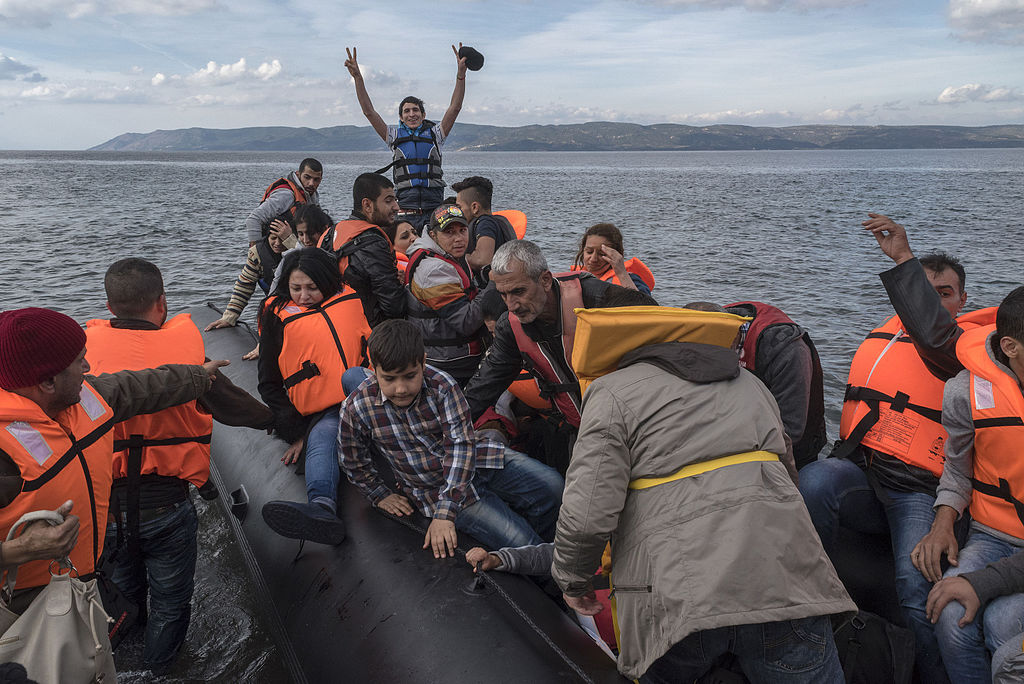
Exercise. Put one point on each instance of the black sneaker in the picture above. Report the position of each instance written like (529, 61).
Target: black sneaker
(304, 521)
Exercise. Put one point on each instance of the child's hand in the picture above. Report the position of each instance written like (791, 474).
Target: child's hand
(478, 555)
(441, 538)
(584, 605)
(395, 504)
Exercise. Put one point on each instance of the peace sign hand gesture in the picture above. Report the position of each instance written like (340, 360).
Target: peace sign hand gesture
(351, 64)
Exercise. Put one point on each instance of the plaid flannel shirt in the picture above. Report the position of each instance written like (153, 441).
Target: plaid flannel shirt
(431, 444)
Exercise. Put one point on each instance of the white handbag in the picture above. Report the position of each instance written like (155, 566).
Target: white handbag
(61, 638)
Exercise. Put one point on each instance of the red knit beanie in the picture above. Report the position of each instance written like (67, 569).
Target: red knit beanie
(36, 344)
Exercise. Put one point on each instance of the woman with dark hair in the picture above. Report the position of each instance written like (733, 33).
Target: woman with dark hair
(601, 253)
(312, 330)
(402, 234)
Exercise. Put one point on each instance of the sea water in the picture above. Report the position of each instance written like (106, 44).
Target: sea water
(781, 227)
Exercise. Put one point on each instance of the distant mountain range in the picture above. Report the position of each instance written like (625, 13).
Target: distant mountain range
(596, 136)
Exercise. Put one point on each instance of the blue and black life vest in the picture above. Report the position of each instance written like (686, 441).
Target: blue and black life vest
(417, 158)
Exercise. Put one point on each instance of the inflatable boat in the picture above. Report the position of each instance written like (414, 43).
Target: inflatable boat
(378, 607)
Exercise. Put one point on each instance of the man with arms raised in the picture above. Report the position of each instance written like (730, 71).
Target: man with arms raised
(415, 142)
(283, 196)
(366, 255)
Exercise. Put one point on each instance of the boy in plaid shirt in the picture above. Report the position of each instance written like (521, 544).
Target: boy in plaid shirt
(418, 418)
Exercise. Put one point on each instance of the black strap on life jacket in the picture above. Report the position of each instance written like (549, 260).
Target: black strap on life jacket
(1002, 491)
(874, 399)
(321, 311)
(308, 371)
(400, 164)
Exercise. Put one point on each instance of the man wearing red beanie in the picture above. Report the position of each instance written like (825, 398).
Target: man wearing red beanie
(56, 439)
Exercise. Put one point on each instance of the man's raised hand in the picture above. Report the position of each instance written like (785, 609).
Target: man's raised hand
(891, 237)
(461, 61)
(351, 64)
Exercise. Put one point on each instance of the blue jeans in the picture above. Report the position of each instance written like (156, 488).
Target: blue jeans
(966, 651)
(166, 570)
(786, 652)
(352, 378)
(322, 470)
(518, 503)
(837, 493)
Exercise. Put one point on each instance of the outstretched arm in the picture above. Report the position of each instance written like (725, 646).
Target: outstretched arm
(364, 97)
(448, 120)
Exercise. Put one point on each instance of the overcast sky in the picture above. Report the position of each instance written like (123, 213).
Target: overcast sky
(74, 73)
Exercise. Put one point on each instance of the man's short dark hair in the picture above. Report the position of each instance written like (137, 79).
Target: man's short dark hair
(133, 286)
(412, 100)
(481, 190)
(940, 261)
(1010, 316)
(395, 344)
(368, 186)
(616, 296)
(312, 164)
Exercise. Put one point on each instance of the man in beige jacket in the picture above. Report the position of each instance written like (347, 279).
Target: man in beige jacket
(677, 464)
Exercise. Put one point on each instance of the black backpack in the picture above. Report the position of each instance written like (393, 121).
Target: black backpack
(872, 650)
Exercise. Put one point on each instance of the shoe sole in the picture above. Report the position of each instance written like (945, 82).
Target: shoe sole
(291, 523)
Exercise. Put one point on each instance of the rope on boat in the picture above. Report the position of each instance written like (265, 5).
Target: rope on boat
(580, 672)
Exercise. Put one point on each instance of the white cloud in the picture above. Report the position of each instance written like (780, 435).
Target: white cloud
(762, 5)
(41, 12)
(38, 91)
(222, 74)
(158, 79)
(977, 92)
(999, 21)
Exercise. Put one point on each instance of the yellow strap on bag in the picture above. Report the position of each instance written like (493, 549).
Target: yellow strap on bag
(604, 336)
(704, 467)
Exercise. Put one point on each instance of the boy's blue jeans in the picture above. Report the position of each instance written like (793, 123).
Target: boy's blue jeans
(518, 503)
(837, 492)
(165, 571)
(966, 651)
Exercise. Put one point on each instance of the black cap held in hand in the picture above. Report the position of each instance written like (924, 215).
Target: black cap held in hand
(474, 60)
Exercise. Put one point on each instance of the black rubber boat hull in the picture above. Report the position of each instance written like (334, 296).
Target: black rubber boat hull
(378, 607)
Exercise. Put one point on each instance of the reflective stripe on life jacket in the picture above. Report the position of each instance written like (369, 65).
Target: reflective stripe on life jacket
(893, 403)
(997, 408)
(174, 442)
(344, 238)
(56, 466)
(553, 368)
(428, 303)
(319, 344)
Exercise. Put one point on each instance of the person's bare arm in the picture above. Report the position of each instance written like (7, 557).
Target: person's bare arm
(364, 97)
(482, 255)
(448, 120)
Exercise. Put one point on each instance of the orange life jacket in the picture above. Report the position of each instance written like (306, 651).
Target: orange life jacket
(320, 343)
(344, 238)
(516, 219)
(57, 465)
(893, 403)
(555, 384)
(526, 390)
(298, 192)
(633, 265)
(997, 408)
(403, 263)
(174, 442)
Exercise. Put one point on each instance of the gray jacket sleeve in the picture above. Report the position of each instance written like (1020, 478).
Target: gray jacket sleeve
(596, 485)
(276, 204)
(933, 331)
(526, 560)
(955, 484)
(1004, 577)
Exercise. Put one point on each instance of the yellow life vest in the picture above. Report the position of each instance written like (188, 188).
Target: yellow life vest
(604, 336)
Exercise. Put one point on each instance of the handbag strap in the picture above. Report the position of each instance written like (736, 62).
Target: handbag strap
(52, 517)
